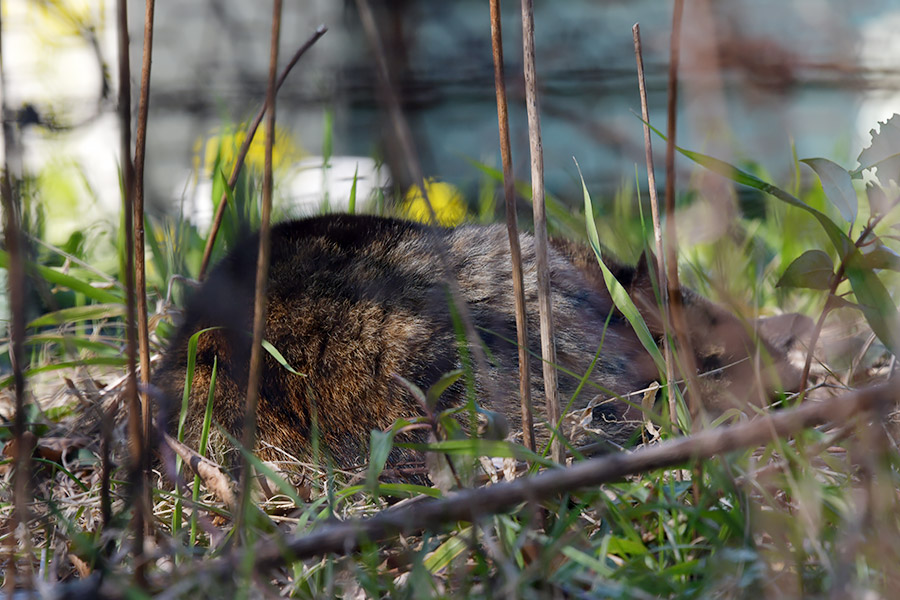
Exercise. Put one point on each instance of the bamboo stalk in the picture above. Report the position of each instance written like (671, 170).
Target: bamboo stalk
(509, 196)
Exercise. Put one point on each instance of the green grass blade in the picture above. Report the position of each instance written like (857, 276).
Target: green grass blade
(279, 357)
(618, 293)
(90, 312)
(351, 203)
(55, 277)
(480, 447)
(838, 238)
(111, 361)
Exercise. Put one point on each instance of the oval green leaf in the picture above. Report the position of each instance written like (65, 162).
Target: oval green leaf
(813, 270)
(837, 185)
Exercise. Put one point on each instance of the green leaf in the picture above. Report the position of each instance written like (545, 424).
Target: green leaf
(351, 204)
(435, 391)
(379, 449)
(881, 257)
(838, 238)
(62, 279)
(875, 302)
(221, 182)
(280, 358)
(413, 389)
(481, 447)
(587, 561)
(67, 341)
(444, 554)
(74, 314)
(835, 302)
(189, 381)
(837, 185)
(813, 270)
(113, 361)
(618, 293)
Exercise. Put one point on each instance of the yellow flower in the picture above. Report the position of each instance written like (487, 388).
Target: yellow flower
(227, 143)
(55, 20)
(447, 201)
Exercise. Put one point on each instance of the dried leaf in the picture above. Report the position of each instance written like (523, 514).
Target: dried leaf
(883, 154)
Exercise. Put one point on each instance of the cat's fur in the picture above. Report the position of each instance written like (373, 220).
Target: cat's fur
(354, 300)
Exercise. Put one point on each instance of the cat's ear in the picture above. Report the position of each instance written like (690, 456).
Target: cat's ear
(645, 292)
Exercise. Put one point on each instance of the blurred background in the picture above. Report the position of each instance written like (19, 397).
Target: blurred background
(757, 77)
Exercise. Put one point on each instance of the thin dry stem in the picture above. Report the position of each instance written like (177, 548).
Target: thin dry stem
(676, 304)
(657, 228)
(548, 344)
(509, 196)
(140, 269)
(245, 147)
(16, 288)
(473, 504)
(13, 242)
(262, 269)
(214, 478)
(135, 429)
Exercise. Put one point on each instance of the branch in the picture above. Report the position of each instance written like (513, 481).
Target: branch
(473, 504)
(245, 147)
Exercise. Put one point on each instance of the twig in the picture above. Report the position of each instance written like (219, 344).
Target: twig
(140, 274)
(135, 430)
(262, 271)
(836, 280)
(678, 323)
(676, 304)
(245, 147)
(12, 233)
(509, 195)
(472, 504)
(657, 229)
(548, 345)
(215, 480)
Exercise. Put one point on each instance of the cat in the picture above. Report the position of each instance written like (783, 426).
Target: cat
(354, 301)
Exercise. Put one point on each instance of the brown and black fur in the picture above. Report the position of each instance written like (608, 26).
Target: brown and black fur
(354, 300)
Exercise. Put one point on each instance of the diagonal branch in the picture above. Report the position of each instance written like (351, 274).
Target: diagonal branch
(473, 504)
(245, 147)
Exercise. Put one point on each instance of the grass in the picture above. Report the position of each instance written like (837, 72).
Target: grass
(811, 515)
(797, 517)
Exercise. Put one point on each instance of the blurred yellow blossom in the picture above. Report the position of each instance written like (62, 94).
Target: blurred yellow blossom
(446, 199)
(56, 20)
(227, 143)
